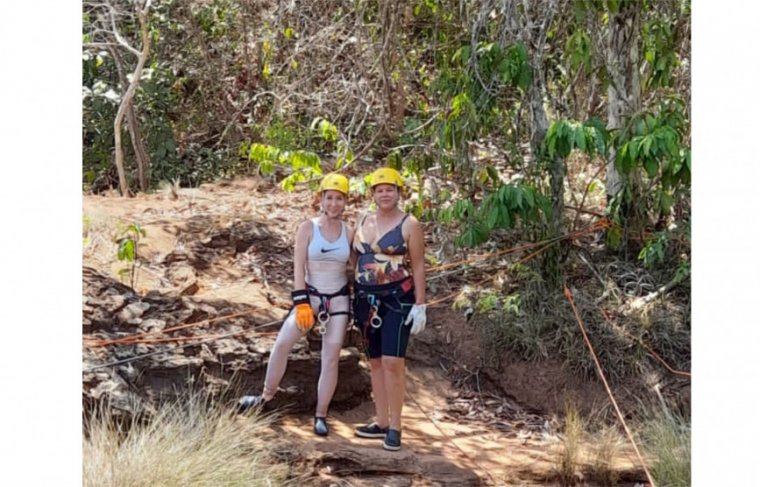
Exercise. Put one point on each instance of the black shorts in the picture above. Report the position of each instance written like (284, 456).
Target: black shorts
(393, 302)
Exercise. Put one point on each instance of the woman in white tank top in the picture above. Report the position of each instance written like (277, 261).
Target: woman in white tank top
(320, 298)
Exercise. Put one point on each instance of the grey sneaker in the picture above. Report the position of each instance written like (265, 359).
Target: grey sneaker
(248, 403)
(320, 426)
(392, 440)
(371, 430)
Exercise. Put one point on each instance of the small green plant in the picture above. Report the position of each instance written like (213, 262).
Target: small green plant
(487, 302)
(127, 252)
(653, 252)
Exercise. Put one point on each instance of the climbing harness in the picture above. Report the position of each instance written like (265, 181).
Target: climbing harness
(377, 296)
(324, 314)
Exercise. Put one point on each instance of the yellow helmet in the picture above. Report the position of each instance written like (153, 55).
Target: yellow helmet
(337, 182)
(386, 175)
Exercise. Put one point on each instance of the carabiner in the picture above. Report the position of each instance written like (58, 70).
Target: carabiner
(375, 321)
(323, 317)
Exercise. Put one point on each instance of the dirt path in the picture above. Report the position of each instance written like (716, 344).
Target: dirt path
(235, 239)
(438, 449)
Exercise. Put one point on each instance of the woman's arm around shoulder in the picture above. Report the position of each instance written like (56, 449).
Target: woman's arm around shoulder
(350, 232)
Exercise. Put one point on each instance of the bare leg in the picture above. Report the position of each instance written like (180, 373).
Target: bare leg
(278, 358)
(395, 387)
(332, 342)
(378, 391)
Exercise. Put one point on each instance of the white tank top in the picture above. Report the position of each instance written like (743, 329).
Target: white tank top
(326, 261)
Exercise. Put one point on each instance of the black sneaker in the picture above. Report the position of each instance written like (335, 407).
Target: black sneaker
(392, 440)
(320, 426)
(371, 430)
(248, 403)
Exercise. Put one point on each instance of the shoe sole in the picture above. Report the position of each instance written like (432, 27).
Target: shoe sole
(369, 435)
(386, 446)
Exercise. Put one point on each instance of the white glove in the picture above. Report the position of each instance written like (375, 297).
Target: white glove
(417, 317)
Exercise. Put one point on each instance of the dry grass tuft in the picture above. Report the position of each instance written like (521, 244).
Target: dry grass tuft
(185, 443)
(568, 454)
(667, 441)
(607, 444)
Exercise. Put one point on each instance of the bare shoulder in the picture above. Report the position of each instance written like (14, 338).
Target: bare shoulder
(411, 225)
(412, 220)
(304, 229)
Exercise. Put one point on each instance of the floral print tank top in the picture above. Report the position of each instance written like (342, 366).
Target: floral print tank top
(382, 261)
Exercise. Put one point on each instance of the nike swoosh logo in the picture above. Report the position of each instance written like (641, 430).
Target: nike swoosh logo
(324, 250)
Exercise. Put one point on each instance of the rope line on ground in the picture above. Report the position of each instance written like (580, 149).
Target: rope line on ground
(519, 261)
(156, 352)
(569, 296)
(599, 225)
(136, 338)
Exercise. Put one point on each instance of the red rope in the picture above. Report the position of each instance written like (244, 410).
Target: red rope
(569, 296)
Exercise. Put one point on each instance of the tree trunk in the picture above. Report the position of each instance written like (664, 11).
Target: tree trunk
(392, 14)
(126, 102)
(624, 100)
(624, 91)
(539, 125)
(142, 160)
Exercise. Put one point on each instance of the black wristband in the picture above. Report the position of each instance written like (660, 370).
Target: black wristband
(300, 296)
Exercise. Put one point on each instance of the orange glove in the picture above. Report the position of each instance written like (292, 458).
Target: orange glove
(304, 313)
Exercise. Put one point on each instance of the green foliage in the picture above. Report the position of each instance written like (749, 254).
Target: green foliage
(480, 87)
(565, 136)
(304, 165)
(658, 40)
(216, 18)
(653, 252)
(328, 130)
(100, 100)
(487, 302)
(656, 143)
(502, 208)
(578, 51)
(331, 134)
